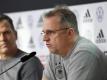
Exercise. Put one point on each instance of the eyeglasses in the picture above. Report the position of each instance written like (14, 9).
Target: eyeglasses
(51, 32)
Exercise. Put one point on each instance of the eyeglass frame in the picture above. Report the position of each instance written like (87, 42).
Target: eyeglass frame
(50, 32)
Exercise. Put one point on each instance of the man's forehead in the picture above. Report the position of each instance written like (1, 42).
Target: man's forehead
(4, 24)
(52, 18)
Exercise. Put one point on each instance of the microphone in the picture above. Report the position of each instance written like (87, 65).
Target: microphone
(26, 57)
(23, 59)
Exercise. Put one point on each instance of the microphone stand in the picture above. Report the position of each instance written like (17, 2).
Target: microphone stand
(23, 59)
(10, 68)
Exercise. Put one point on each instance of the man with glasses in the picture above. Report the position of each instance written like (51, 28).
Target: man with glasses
(72, 56)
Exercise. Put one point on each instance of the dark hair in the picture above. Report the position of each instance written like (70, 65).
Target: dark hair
(5, 17)
(66, 16)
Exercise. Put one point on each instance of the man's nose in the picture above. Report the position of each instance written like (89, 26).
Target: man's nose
(45, 37)
(2, 37)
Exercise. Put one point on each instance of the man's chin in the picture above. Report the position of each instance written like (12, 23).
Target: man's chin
(53, 51)
(4, 50)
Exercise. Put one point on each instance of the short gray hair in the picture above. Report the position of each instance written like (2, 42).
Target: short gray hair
(66, 16)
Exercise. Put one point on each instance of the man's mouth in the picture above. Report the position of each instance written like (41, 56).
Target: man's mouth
(3, 45)
(48, 45)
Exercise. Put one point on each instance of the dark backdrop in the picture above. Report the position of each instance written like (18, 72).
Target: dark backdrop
(24, 5)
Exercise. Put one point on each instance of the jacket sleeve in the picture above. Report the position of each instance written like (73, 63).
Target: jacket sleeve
(31, 70)
(85, 66)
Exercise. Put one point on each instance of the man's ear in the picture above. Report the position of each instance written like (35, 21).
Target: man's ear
(71, 31)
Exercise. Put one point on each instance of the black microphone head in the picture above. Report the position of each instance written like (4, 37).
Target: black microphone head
(26, 57)
(32, 54)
